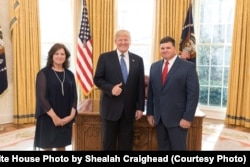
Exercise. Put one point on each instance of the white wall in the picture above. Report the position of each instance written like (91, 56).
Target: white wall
(6, 99)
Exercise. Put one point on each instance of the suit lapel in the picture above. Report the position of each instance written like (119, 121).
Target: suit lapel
(115, 62)
(132, 65)
(172, 71)
(174, 68)
(159, 71)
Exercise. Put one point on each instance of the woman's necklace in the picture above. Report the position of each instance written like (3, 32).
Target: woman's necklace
(60, 80)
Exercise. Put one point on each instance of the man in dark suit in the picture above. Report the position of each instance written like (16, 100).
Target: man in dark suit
(122, 99)
(172, 103)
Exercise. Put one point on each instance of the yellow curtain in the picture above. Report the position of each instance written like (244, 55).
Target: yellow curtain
(238, 105)
(25, 38)
(170, 17)
(102, 23)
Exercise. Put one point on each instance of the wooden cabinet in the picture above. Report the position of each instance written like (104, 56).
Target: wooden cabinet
(87, 130)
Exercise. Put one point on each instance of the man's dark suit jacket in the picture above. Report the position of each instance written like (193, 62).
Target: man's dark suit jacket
(108, 74)
(178, 97)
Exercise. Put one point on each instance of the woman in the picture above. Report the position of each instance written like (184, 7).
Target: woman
(56, 101)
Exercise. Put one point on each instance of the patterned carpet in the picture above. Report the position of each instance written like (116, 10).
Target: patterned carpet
(219, 137)
(17, 140)
(214, 137)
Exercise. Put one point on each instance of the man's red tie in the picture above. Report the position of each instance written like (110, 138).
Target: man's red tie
(164, 73)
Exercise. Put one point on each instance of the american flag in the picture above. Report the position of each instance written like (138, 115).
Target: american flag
(84, 69)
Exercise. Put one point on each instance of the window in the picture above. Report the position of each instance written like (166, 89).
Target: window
(56, 26)
(213, 30)
(140, 25)
(215, 20)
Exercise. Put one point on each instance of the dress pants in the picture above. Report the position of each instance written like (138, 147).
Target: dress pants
(118, 135)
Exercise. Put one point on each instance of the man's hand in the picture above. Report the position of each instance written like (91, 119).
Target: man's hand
(117, 90)
(151, 120)
(185, 124)
(138, 114)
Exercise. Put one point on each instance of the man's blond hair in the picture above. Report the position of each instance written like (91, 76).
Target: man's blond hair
(122, 32)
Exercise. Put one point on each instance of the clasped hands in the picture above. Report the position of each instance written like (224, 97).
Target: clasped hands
(61, 121)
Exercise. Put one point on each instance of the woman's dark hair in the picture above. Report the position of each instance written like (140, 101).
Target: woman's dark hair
(53, 50)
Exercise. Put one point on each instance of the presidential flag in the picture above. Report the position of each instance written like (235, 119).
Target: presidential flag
(187, 44)
(84, 68)
(3, 72)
